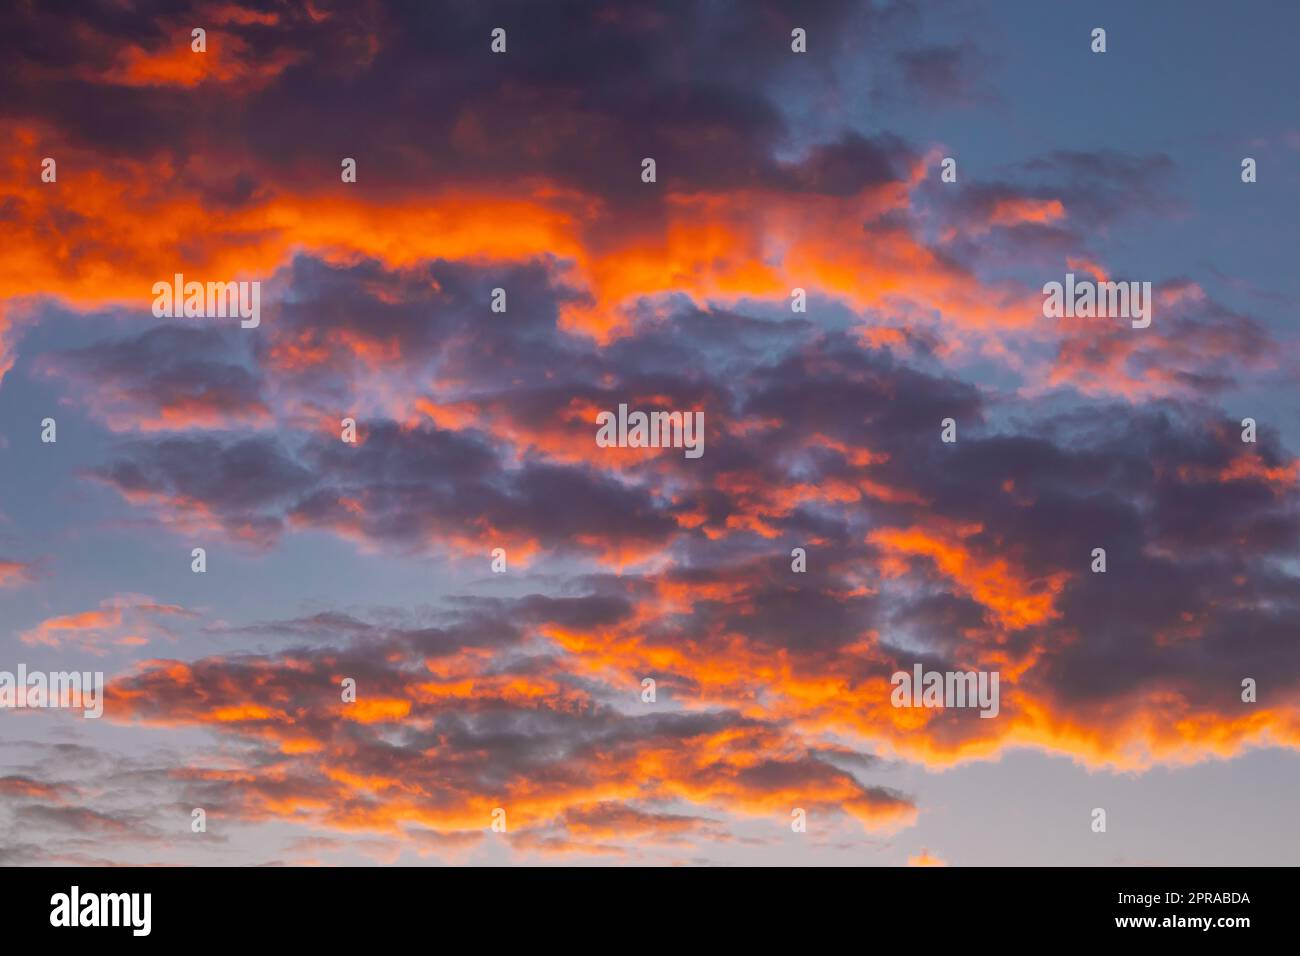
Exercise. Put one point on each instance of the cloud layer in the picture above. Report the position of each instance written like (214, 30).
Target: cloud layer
(475, 430)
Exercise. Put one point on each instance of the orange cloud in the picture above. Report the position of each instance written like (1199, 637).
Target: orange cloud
(1016, 598)
(752, 771)
(14, 573)
(127, 621)
(925, 858)
(129, 222)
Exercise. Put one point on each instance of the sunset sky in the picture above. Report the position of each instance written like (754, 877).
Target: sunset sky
(522, 690)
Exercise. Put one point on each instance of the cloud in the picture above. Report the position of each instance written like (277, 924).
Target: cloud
(945, 75)
(475, 733)
(15, 573)
(925, 858)
(166, 379)
(125, 621)
(475, 428)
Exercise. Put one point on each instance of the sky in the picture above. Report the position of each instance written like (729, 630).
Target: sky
(430, 645)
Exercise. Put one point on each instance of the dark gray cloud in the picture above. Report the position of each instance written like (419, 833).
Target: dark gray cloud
(167, 377)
